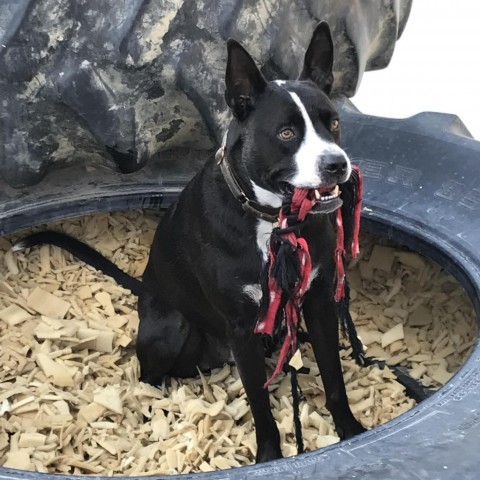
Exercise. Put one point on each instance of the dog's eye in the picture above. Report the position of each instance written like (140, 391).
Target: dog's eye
(286, 134)
(334, 125)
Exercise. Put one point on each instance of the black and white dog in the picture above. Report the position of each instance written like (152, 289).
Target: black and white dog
(199, 299)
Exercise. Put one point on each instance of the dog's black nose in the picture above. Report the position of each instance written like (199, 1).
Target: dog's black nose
(334, 164)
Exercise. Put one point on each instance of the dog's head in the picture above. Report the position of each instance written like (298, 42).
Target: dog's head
(285, 134)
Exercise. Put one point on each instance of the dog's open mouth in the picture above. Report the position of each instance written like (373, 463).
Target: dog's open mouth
(323, 194)
(327, 199)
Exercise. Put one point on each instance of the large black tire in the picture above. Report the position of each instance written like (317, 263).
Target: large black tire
(422, 178)
(115, 82)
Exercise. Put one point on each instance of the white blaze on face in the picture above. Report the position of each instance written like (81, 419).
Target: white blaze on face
(307, 158)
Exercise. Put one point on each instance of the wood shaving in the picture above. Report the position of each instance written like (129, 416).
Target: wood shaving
(393, 335)
(296, 360)
(71, 401)
(13, 315)
(47, 304)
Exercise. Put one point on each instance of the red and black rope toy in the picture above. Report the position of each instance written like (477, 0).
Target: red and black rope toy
(287, 272)
(289, 265)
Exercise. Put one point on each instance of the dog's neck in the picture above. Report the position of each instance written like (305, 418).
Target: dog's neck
(261, 206)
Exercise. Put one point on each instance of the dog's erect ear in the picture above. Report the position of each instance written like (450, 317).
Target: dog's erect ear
(243, 80)
(318, 61)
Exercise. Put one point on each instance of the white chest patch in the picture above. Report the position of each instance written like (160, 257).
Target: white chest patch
(254, 292)
(313, 275)
(265, 197)
(264, 230)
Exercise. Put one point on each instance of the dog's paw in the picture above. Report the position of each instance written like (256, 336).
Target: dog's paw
(348, 431)
(268, 454)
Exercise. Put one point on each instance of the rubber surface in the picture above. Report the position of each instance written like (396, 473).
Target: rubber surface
(119, 81)
(422, 178)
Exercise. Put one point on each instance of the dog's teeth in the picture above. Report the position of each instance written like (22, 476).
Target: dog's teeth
(332, 194)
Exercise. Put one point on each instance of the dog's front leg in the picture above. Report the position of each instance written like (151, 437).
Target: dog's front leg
(249, 356)
(323, 331)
